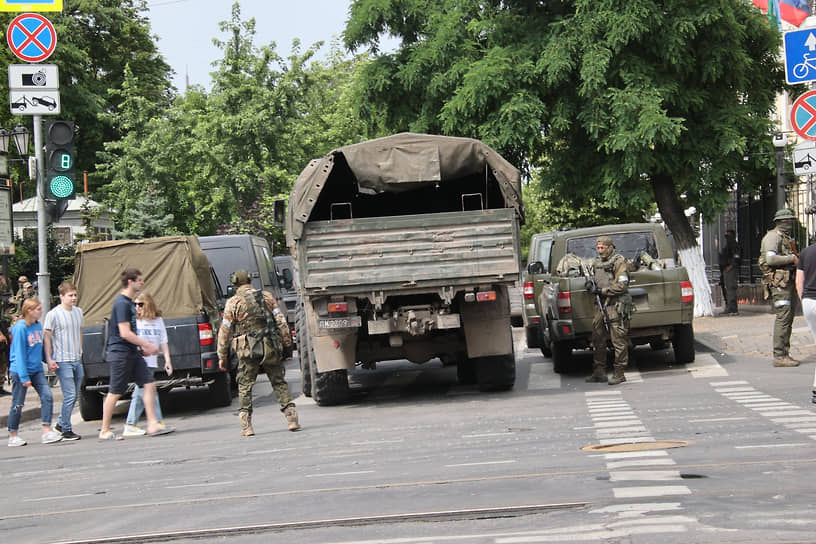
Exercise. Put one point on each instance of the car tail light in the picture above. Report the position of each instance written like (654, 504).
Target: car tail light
(335, 307)
(528, 291)
(564, 303)
(686, 291)
(205, 334)
(485, 296)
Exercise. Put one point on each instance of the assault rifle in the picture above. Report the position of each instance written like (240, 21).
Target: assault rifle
(592, 287)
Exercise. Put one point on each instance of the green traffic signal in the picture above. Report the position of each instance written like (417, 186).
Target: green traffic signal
(61, 186)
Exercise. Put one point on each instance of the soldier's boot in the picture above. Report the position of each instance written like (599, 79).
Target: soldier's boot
(246, 424)
(598, 374)
(291, 417)
(784, 360)
(617, 376)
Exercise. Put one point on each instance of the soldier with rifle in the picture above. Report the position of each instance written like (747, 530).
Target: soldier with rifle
(608, 280)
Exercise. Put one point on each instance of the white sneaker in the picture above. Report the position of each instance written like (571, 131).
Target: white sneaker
(133, 430)
(50, 437)
(16, 441)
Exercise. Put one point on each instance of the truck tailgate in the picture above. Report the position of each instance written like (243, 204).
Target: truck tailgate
(430, 249)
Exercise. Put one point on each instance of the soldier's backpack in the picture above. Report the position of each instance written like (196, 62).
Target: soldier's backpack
(266, 339)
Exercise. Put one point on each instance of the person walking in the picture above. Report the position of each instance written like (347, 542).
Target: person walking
(777, 262)
(610, 271)
(63, 353)
(124, 354)
(150, 326)
(806, 286)
(27, 371)
(257, 332)
(729, 270)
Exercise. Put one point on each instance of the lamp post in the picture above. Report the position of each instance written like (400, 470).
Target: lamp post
(779, 142)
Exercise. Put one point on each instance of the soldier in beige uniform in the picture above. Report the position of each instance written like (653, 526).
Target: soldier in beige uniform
(257, 331)
(777, 262)
(611, 273)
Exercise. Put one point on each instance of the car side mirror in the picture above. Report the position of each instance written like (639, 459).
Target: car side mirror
(230, 290)
(536, 267)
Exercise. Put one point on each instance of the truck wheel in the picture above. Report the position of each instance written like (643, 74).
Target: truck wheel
(533, 337)
(683, 344)
(466, 371)
(90, 405)
(330, 388)
(496, 373)
(220, 392)
(562, 357)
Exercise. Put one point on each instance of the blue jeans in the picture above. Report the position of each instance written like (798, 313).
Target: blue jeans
(18, 395)
(70, 377)
(137, 406)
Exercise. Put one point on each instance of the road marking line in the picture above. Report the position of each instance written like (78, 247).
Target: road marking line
(609, 410)
(510, 461)
(643, 475)
(734, 389)
(625, 440)
(59, 498)
(715, 419)
(614, 417)
(339, 474)
(631, 454)
(602, 393)
(483, 435)
(793, 445)
(637, 508)
(209, 484)
(619, 422)
(705, 366)
(811, 419)
(650, 491)
(775, 413)
(724, 384)
(641, 463)
(769, 405)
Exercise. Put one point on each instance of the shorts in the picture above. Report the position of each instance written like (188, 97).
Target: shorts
(126, 367)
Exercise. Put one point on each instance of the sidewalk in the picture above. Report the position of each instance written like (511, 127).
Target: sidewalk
(749, 333)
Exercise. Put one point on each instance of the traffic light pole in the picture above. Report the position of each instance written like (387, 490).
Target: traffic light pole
(43, 276)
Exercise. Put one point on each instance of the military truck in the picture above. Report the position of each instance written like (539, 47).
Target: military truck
(178, 276)
(558, 310)
(405, 248)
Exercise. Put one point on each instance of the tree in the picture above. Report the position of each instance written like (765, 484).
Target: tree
(647, 102)
(96, 40)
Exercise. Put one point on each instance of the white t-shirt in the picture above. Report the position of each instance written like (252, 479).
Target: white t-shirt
(66, 326)
(154, 332)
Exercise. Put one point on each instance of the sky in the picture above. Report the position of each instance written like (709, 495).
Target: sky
(186, 28)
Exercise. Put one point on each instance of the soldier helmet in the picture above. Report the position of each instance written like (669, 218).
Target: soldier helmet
(605, 240)
(22, 279)
(783, 214)
(239, 277)
(27, 285)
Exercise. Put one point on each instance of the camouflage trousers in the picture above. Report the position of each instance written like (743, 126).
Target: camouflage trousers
(618, 331)
(784, 299)
(248, 373)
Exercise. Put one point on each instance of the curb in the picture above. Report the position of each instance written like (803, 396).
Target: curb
(31, 409)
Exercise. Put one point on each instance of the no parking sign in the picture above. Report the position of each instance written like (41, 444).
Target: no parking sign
(803, 116)
(31, 37)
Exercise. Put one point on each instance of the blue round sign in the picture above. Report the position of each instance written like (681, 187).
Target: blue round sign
(31, 37)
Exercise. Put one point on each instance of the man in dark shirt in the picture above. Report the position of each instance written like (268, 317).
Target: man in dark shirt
(806, 285)
(729, 268)
(124, 354)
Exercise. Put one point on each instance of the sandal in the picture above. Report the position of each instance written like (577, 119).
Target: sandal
(110, 435)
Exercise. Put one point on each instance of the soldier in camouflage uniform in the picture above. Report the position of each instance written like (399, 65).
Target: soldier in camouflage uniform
(777, 262)
(258, 343)
(4, 327)
(611, 272)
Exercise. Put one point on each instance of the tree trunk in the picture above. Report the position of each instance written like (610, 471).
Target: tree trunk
(690, 253)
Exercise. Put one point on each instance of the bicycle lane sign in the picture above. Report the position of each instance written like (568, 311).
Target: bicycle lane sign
(800, 56)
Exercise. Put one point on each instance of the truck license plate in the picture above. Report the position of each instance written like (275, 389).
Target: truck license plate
(339, 322)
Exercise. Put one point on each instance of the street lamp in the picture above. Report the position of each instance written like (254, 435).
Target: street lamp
(21, 137)
(779, 142)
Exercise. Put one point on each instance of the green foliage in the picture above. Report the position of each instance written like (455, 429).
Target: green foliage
(25, 261)
(625, 105)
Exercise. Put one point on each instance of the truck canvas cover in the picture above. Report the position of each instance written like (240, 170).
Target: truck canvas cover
(397, 164)
(175, 270)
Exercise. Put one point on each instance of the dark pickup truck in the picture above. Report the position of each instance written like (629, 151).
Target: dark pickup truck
(178, 276)
(558, 310)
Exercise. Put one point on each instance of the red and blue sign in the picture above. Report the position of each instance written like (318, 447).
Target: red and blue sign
(31, 37)
(803, 116)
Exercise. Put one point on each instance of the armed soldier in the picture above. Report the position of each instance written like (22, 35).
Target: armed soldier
(777, 262)
(610, 271)
(260, 339)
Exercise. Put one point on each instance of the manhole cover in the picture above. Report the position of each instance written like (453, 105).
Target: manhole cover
(638, 446)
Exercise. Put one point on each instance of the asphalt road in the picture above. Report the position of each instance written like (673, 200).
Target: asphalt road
(417, 458)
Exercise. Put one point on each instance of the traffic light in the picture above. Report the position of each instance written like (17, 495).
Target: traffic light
(60, 155)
